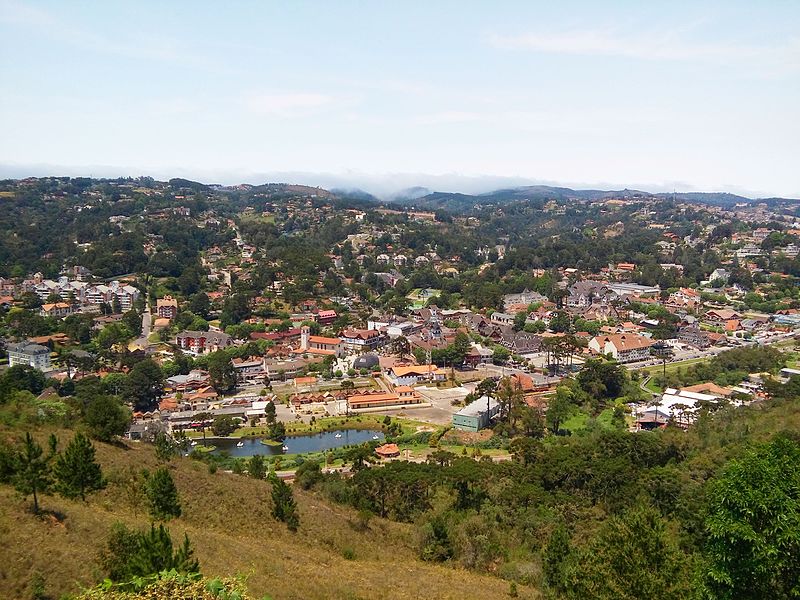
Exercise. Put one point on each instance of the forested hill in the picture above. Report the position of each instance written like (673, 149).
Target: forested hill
(458, 202)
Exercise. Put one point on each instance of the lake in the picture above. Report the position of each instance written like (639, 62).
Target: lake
(297, 444)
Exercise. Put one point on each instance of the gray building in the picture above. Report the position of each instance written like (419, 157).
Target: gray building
(475, 416)
(28, 353)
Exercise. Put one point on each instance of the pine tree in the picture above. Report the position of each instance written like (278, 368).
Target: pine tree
(32, 472)
(130, 553)
(256, 467)
(76, 471)
(165, 447)
(284, 507)
(162, 495)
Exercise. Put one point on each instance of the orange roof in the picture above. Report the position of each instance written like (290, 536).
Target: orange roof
(49, 307)
(315, 351)
(379, 397)
(710, 387)
(387, 450)
(624, 342)
(414, 370)
(732, 325)
(319, 339)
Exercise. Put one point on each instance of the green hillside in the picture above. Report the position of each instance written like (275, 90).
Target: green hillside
(228, 521)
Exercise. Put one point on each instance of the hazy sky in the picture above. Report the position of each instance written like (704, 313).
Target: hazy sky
(690, 95)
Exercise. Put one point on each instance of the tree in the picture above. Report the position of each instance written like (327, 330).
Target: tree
(488, 388)
(560, 322)
(223, 426)
(76, 471)
(500, 354)
(164, 446)
(554, 560)
(269, 412)
(284, 507)
(200, 304)
(130, 554)
(277, 431)
(256, 467)
(559, 408)
(602, 379)
(631, 557)
(145, 384)
(753, 525)
(32, 470)
(106, 418)
(20, 377)
(221, 371)
(162, 495)
(519, 320)
(401, 346)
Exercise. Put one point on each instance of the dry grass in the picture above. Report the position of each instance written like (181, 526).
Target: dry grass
(227, 517)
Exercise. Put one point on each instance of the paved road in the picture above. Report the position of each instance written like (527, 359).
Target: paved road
(143, 341)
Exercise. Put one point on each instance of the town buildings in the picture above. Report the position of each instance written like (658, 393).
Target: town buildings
(28, 353)
(202, 342)
(625, 347)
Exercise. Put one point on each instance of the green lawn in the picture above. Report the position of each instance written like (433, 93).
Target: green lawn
(371, 421)
(580, 420)
(674, 366)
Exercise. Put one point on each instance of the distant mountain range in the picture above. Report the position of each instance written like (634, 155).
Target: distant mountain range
(457, 202)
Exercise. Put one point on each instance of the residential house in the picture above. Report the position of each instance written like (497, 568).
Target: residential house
(57, 310)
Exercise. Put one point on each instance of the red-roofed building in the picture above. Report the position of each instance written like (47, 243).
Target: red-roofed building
(325, 317)
(626, 347)
(317, 344)
(388, 451)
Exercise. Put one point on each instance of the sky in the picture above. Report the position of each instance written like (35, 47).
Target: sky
(456, 96)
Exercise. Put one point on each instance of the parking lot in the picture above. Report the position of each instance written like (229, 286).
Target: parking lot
(440, 411)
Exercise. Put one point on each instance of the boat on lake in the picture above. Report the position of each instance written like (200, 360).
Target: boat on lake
(240, 445)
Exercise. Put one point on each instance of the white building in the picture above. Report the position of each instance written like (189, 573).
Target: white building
(27, 353)
(625, 347)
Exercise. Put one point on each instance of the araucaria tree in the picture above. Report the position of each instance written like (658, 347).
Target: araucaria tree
(162, 495)
(76, 471)
(32, 471)
(284, 507)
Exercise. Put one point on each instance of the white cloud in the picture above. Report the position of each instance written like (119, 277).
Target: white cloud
(652, 45)
(294, 104)
(449, 116)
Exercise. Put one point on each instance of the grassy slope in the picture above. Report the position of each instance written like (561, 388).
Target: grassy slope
(227, 517)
